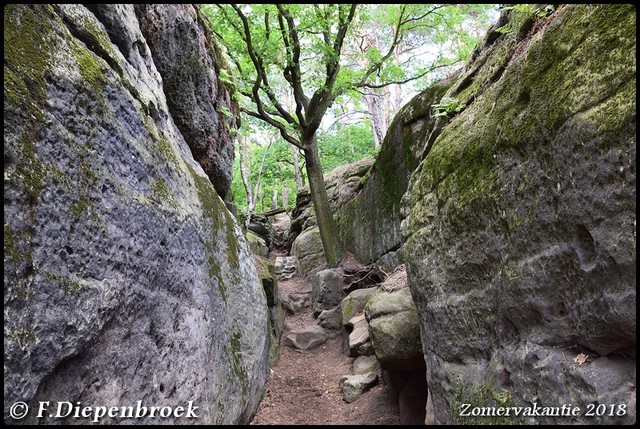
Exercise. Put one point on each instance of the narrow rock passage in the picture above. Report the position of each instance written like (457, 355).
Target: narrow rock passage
(302, 387)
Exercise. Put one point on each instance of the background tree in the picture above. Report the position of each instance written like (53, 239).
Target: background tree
(300, 47)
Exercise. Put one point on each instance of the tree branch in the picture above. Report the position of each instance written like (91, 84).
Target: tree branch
(292, 72)
(263, 116)
(396, 40)
(261, 73)
(401, 82)
(324, 96)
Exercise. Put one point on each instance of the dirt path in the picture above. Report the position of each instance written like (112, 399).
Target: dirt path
(303, 385)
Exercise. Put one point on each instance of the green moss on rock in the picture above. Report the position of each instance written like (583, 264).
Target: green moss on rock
(30, 171)
(482, 395)
(27, 51)
(161, 194)
(234, 352)
(207, 195)
(214, 210)
(90, 67)
(13, 247)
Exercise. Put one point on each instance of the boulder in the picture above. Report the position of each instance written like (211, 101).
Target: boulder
(365, 364)
(125, 277)
(182, 49)
(307, 247)
(354, 303)
(286, 267)
(385, 303)
(266, 273)
(327, 290)
(331, 320)
(354, 321)
(296, 302)
(306, 338)
(260, 226)
(516, 250)
(257, 245)
(394, 326)
(369, 223)
(359, 344)
(353, 386)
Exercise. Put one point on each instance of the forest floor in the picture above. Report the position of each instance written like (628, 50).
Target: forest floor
(303, 386)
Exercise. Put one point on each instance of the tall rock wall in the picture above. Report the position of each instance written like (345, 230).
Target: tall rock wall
(370, 222)
(520, 223)
(125, 277)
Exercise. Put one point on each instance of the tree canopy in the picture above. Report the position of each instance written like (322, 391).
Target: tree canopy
(291, 62)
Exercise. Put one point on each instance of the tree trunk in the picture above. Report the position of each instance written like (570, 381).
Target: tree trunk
(328, 229)
(375, 106)
(256, 188)
(245, 171)
(274, 199)
(296, 169)
(398, 88)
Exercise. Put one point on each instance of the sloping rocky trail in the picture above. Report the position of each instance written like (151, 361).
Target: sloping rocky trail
(303, 385)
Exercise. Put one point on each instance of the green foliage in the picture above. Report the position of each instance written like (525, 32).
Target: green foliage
(339, 146)
(448, 107)
(277, 173)
(524, 12)
(347, 144)
(284, 54)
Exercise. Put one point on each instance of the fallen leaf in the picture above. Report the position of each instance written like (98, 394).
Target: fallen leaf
(580, 359)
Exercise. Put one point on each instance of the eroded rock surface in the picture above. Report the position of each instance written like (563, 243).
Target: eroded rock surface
(125, 277)
(520, 222)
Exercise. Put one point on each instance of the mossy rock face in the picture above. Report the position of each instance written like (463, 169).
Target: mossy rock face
(354, 303)
(257, 245)
(515, 218)
(307, 247)
(370, 222)
(116, 245)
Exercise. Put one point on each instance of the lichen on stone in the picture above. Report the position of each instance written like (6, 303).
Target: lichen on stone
(22, 336)
(161, 194)
(90, 67)
(234, 352)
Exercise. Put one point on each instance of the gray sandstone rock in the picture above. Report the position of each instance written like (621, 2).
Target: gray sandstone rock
(286, 267)
(354, 385)
(125, 277)
(182, 49)
(394, 326)
(327, 290)
(369, 223)
(354, 303)
(520, 244)
(331, 320)
(359, 344)
(365, 364)
(296, 302)
(257, 245)
(306, 338)
(307, 247)
(355, 320)
(396, 337)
